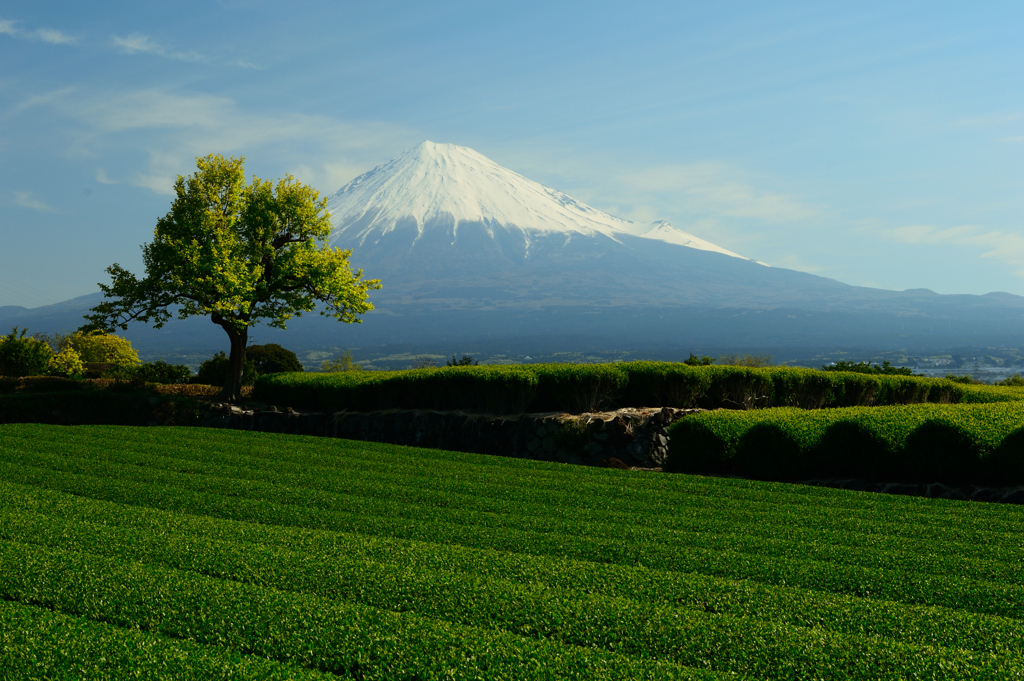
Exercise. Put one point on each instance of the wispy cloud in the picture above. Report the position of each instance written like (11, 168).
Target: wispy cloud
(26, 200)
(988, 120)
(101, 177)
(1014, 140)
(1003, 246)
(718, 189)
(54, 37)
(174, 128)
(47, 35)
(138, 43)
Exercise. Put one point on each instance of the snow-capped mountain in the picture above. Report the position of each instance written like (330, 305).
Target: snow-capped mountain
(471, 252)
(442, 186)
(467, 249)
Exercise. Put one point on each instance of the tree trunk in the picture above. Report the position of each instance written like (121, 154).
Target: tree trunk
(236, 364)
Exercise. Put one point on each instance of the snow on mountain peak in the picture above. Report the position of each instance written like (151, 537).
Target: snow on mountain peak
(434, 182)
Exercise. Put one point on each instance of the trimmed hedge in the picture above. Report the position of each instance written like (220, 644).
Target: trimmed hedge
(577, 388)
(951, 443)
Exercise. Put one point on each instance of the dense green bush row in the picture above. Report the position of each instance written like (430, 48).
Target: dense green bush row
(388, 562)
(949, 443)
(584, 387)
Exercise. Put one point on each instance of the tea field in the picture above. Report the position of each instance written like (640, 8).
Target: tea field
(190, 553)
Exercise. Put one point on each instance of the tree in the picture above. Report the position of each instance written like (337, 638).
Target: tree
(868, 368)
(342, 362)
(21, 356)
(240, 253)
(695, 361)
(102, 348)
(466, 361)
(271, 358)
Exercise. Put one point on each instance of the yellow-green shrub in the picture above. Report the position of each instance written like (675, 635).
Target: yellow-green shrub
(67, 362)
(104, 348)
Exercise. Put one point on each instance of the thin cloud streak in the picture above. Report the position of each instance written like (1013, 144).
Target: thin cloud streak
(179, 127)
(26, 200)
(47, 35)
(717, 189)
(1006, 247)
(136, 43)
(101, 177)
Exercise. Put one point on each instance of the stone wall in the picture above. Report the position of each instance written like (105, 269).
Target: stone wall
(627, 438)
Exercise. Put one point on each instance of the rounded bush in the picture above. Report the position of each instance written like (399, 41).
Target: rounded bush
(768, 451)
(23, 356)
(271, 358)
(939, 450)
(850, 449)
(67, 362)
(97, 347)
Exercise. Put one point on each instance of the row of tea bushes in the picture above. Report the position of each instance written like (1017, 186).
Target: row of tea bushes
(576, 388)
(977, 443)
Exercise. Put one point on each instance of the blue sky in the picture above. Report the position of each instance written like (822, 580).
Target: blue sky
(880, 144)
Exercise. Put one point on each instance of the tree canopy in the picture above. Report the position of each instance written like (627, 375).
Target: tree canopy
(241, 253)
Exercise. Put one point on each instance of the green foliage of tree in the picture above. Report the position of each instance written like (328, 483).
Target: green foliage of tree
(214, 371)
(151, 372)
(466, 361)
(67, 363)
(23, 356)
(342, 362)
(966, 379)
(869, 368)
(241, 253)
(105, 348)
(695, 361)
(271, 358)
(1016, 381)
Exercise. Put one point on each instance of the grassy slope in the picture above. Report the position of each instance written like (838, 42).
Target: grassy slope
(289, 557)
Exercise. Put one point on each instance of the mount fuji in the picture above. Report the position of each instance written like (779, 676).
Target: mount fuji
(473, 256)
(466, 248)
(443, 223)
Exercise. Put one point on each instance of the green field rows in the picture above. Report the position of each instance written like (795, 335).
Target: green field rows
(266, 556)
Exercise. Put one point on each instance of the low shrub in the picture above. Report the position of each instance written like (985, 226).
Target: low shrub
(97, 347)
(67, 363)
(151, 372)
(23, 356)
